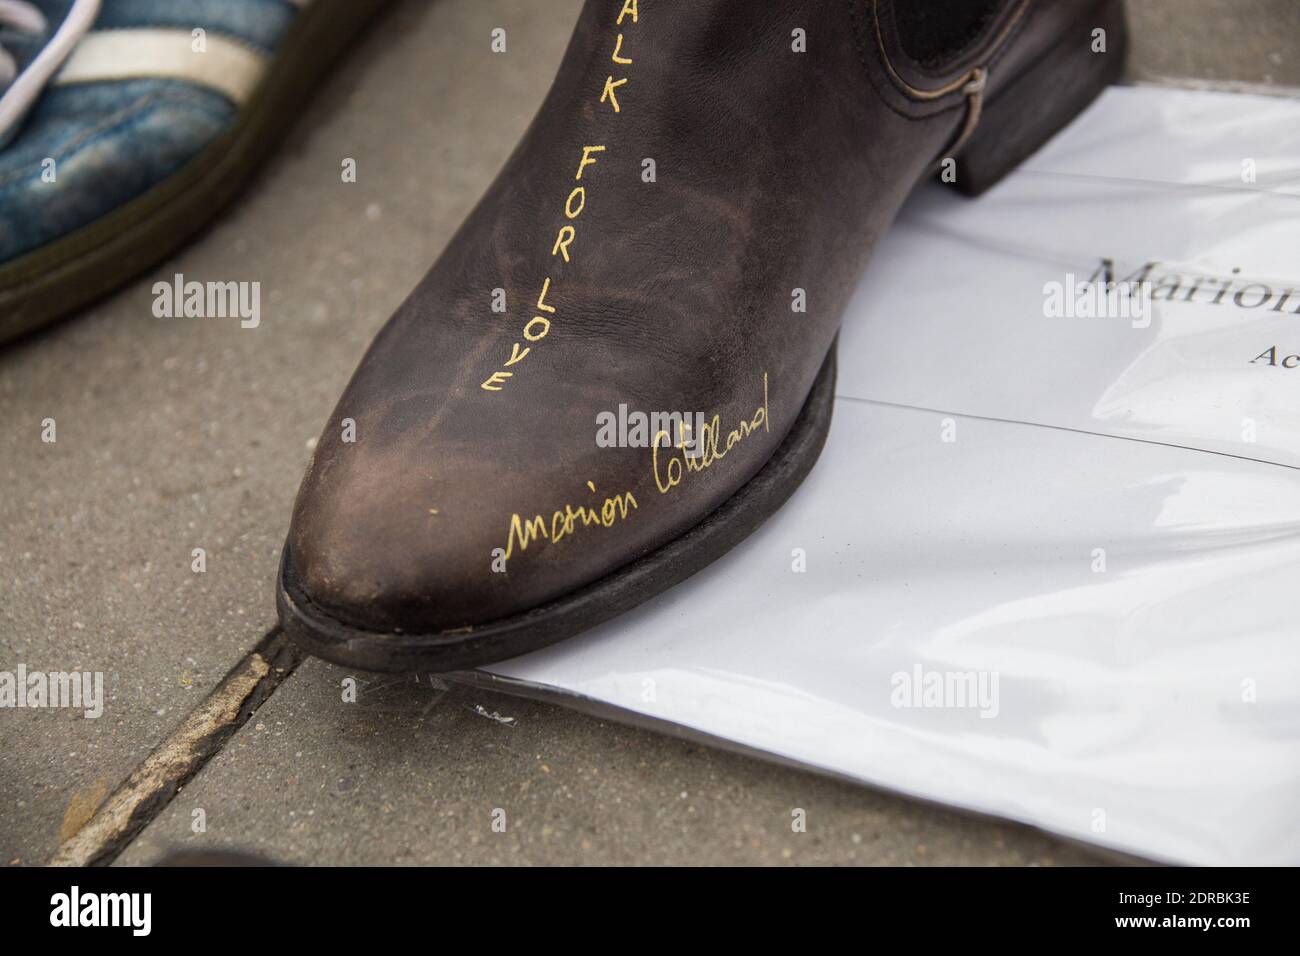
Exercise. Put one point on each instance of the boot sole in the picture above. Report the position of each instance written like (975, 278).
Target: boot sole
(327, 637)
(74, 270)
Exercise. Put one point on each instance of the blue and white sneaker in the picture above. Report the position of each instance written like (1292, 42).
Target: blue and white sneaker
(126, 125)
(35, 40)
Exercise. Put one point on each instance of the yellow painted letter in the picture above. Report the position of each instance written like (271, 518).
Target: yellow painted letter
(618, 46)
(562, 241)
(609, 91)
(569, 211)
(546, 327)
(541, 299)
(494, 383)
(586, 152)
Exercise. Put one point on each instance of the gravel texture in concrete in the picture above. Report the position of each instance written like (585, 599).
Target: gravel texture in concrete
(1216, 42)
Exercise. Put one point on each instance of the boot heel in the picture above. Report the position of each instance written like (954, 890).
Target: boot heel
(1039, 102)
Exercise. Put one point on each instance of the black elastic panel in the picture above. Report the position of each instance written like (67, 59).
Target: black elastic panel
(932, 31)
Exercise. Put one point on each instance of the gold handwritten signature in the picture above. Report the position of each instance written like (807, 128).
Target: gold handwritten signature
(566, 520)
(710, 446)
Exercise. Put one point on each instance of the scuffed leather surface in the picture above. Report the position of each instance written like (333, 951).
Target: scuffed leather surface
(775, 170)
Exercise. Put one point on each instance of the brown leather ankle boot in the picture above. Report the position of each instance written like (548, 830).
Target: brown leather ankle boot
(673, 243)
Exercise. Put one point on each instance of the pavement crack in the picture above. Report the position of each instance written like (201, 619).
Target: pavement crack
(149, 788)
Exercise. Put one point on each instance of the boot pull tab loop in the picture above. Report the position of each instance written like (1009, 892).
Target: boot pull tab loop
(974, 91)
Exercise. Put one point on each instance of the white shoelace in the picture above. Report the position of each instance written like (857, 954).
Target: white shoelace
(19, 91)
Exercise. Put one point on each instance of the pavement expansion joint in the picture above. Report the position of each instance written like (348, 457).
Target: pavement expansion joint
(149, 788)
